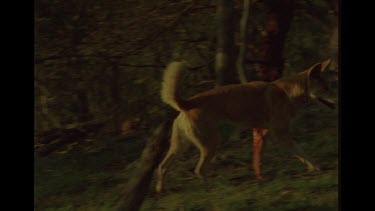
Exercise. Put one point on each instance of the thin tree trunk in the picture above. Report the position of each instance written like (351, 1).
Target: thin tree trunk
(278, 20)
(243, 43)
(225, 48)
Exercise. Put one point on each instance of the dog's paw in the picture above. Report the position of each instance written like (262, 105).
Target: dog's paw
(259, 177)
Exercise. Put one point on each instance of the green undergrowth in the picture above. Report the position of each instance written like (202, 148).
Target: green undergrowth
(93, 179)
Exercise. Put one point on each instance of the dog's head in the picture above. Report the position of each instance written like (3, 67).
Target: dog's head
(322, 84)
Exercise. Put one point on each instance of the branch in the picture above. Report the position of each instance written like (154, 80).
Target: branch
(209, 7)
(314, 17)
(146, 41)
(202, 39)
(142, 66)
(206, 82)
(315, 14)
(201, 66)
(170, 26)
(57, 57)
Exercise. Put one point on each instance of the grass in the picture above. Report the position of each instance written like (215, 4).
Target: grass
(87, 179)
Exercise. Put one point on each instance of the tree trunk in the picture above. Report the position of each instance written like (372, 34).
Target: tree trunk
(279, 16)
(225, 48)
(243, 43)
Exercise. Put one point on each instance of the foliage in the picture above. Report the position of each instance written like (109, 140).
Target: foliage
(90, 179)
(80, 46)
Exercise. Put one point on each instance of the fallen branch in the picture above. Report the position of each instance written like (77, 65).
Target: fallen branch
(206, 82)
(170, 26)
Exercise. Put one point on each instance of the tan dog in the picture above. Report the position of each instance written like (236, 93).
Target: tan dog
(264, 106)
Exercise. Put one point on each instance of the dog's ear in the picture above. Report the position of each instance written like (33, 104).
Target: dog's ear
(316, 70)
(325, 64)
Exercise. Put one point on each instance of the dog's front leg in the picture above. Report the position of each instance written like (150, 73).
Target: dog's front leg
(258, 139)
(288, 144)
(298, 153)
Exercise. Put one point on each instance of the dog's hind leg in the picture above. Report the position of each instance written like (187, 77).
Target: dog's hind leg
(258, 139)
(207, 145)
(174, 149)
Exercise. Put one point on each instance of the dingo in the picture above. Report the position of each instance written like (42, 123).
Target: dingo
(263, 106)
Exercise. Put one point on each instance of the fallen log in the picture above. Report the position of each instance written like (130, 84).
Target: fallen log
(139, 183)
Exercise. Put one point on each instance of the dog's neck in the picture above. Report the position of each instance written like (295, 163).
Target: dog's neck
(295, 86)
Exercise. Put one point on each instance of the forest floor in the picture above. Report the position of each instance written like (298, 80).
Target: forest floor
(93, 175)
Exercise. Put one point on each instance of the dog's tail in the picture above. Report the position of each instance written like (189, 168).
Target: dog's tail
(169, 88)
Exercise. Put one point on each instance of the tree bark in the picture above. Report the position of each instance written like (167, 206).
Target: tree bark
(225, 48)
(279, 16)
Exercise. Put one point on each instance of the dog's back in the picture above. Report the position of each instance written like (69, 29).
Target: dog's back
(241, 104)
(244, 104)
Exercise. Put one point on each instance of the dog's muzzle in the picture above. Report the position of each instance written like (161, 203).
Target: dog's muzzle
(328, 103)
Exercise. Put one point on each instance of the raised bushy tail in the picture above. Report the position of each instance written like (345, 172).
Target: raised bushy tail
(169, 87)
